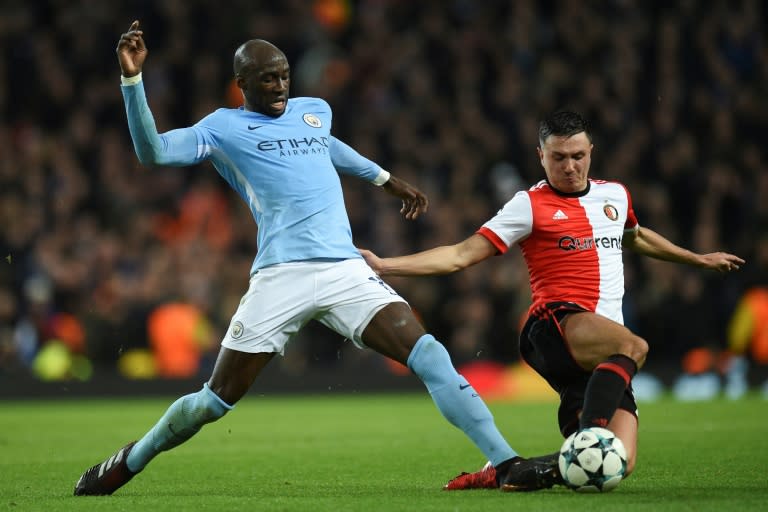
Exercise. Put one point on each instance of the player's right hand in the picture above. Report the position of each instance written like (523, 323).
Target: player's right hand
(371, 259)
(131, 50)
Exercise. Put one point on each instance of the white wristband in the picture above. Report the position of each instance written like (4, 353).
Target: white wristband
(382, 178)
(130, 80)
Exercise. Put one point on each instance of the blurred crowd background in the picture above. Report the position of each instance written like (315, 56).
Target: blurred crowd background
(108, 266)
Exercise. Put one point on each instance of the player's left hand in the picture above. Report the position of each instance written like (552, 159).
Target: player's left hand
(721, 261)
(415, 202)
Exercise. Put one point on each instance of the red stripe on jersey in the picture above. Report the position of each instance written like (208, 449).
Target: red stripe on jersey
(572, 244)
(561, 264)
(492, 237)
(631, 217)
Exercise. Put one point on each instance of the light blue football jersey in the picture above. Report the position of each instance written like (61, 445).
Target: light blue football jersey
(285, 169)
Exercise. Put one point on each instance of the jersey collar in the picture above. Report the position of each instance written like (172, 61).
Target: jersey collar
(580, 193)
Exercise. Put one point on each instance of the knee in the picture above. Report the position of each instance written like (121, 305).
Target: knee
(638, 350)
(635, 348)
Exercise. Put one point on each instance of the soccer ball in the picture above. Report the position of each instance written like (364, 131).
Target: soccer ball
(592, 460)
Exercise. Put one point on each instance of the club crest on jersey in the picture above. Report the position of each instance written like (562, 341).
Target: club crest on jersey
(611, 212)
(312, 120)
(237, 330)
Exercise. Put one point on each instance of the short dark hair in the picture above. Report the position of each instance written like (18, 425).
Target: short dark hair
(563, 123)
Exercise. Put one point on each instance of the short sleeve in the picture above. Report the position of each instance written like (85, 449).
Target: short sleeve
(511, 224)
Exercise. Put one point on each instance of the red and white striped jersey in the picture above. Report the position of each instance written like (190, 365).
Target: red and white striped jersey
(570, 242)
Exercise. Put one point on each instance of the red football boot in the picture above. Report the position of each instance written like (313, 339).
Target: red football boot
(483, 479)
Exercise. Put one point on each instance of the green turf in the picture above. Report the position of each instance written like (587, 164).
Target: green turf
(368, 453)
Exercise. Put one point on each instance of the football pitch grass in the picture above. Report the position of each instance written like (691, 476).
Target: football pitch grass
(368, 453)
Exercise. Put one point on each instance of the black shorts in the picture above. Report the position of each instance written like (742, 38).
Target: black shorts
(542, 346)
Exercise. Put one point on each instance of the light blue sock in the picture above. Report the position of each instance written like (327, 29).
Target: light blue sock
(183, 419)
(456, 399)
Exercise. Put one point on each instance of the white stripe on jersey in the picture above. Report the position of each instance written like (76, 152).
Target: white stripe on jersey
(572, 245)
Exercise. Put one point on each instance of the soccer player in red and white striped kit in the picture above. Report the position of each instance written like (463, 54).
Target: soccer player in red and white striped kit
(571, 230)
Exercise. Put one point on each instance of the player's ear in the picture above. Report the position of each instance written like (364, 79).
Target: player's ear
(240, 82)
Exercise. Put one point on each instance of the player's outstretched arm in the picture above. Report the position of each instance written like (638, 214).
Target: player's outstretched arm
(176, 147)
(649, 243)
(131, 50)
(348, 161)
(415, 202)
(440, 260)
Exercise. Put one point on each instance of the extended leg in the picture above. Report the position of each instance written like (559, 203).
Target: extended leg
(396, 333)
(232, 377)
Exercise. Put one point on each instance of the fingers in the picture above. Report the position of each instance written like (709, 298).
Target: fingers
(407, 209)
(423, 203)
(133, 38)
(731, 263)
(133, 31)
(723, 262)
(370, 258)
(414, 202)
(412, 208)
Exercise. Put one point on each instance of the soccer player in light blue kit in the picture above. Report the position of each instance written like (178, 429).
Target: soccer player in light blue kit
(280, 157)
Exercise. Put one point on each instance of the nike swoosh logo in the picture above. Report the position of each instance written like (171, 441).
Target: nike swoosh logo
(465, 386)
(254, 127)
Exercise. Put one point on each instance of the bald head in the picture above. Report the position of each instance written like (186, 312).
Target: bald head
(256, 54)
(263, 74)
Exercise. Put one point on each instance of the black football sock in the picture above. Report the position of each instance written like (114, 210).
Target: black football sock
(605, 390)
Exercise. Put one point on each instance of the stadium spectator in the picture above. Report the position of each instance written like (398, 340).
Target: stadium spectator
(676, 93)
(747, 341)
(179, 335)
